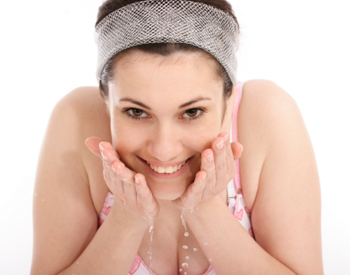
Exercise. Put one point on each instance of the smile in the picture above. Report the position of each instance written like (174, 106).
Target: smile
(168, 170)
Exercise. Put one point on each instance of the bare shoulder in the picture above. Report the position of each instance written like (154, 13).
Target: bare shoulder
(63, 207)
(90, 113)
(261, 102)
(286, 211)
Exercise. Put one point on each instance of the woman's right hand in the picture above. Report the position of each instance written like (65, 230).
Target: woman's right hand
(131, 188)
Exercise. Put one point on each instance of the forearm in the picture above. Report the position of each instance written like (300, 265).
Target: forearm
(228, 245)
(113, 248)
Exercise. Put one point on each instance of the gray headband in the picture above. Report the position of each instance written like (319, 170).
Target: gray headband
(169, 21)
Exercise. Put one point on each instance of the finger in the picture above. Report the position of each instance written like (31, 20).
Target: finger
(145, 198)
(230, 163)
(92, 143)
(237, 150)
(221, 167)
(228, 151)
(208, 166)
(115, 184)
(108, 152)
(195, 192)
(127, 178)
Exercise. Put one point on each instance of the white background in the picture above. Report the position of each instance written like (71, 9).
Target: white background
(47, 50)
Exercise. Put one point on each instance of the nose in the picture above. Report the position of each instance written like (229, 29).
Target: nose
(165, 143)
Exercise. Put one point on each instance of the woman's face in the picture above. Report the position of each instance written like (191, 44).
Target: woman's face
(165, 111)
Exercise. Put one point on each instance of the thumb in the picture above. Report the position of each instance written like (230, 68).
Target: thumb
(93, 144)
(237, 150)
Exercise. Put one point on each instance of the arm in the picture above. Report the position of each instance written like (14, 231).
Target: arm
(64, 217)
(286, 216)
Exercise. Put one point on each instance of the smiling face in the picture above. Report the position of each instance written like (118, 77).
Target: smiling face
(164, 111)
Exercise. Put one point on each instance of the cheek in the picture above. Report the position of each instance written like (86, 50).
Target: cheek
(201, 138)
(126, 137)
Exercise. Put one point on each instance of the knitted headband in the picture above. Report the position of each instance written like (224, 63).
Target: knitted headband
(169, 21)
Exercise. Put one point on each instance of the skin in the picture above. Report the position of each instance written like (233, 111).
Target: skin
(278, 171)
(164, 132)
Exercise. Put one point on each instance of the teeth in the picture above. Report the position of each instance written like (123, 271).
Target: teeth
(168, 170)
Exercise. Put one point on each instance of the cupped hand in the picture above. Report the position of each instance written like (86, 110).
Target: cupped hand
(217, 169)
(131, 188)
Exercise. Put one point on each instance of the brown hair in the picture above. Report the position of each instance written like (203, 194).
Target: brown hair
(164, 49)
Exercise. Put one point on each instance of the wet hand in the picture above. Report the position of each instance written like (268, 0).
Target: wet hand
(217, 169)
(131, 188)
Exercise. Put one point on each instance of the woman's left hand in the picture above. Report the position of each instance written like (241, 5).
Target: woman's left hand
(217, 169)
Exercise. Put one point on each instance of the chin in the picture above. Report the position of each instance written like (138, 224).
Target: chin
(167, 191)
(167, 196)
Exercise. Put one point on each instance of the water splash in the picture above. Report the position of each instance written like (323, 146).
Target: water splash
(150, 248)
(183, 214)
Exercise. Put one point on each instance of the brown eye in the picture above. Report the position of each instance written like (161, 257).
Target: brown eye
(137, 112)
(192, 112)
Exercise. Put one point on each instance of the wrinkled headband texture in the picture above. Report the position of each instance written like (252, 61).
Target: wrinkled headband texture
(167, 21)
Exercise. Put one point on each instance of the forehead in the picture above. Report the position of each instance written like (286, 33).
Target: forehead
(181, 75)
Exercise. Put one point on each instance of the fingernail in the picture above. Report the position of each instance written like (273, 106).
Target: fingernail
(104, 156)
(137, 180)
(210, 158)
(115, 170)
(100, 145)
(220, 145)
(226, 138)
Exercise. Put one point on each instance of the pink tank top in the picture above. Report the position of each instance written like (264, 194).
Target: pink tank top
(234, 193)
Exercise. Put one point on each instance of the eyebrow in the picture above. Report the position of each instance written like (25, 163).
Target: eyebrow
(128, 99)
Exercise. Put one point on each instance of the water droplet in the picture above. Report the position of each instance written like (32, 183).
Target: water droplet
(180, 269)
(210, 259)
(185, 273)
(186, 234)
(77, 262)
(187, 258)
(147, 252)
(206, 244)
(185, 264)
(150, 229)
(183, 218)
(185, 247)
(150, 247)
(195, 249)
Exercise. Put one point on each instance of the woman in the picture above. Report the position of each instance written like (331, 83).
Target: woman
(160, 198)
